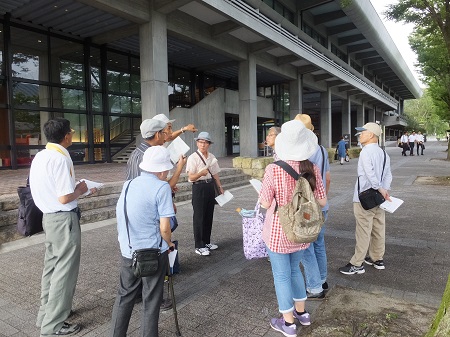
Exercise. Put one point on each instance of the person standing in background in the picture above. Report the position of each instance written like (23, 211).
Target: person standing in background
(270, 139)
(419, 140)
(314, 258)
(202, 169)
(404, 139)
(412, 141)
(342, 150)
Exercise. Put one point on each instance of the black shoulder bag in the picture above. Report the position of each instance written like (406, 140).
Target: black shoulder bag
(371, 198)
(145, 261)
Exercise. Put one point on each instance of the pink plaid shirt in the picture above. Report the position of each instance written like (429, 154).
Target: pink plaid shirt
(279, 185)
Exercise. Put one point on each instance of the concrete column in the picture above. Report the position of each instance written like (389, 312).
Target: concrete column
(248, 108)
(360, 118)
(372, 115)
(325, 118)
(346, 116)
(296, 96)
(154, 72)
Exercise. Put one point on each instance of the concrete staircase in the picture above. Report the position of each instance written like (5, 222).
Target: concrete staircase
(102, 206)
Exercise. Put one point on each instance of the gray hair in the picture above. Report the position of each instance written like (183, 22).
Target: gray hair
(276, 129)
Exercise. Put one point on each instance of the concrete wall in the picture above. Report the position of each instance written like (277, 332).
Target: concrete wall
(209, 115)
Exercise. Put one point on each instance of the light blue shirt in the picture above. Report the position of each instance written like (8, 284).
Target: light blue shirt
(317, 159)
(148, 200)
(370, 167)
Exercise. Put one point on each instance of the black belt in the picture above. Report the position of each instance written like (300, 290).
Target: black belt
(75, 210)
(204, 181)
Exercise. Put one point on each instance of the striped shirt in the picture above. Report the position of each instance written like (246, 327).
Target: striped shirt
(279, 185)
(133, 169)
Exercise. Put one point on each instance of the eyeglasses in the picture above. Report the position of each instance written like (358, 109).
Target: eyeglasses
(203, 142)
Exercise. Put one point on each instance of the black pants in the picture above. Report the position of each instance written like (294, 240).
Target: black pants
(203, 203)
(421, 146)
(405, 148)
(152, 293)
(411, 148)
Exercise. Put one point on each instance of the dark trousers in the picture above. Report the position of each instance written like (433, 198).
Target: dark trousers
(421, 147)
(411, 148)
(203, 203)
(405, 148)
(152, 293)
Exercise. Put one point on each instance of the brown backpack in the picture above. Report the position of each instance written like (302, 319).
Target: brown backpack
(301, 218)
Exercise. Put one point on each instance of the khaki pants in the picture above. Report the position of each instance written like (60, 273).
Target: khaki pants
(370, 233)
(61, 265)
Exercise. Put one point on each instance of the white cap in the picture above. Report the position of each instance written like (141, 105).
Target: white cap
(151, 126)
(163, 118)
(156, 159)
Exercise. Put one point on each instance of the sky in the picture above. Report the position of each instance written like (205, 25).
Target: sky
(399, 33)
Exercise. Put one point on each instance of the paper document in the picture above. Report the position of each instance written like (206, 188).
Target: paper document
(172, 256)
(224, 198)
(257, 184)
(176, 149)
(391, 206)
(91, 184)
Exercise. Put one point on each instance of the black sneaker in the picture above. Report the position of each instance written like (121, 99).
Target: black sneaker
(378, 264)
(325, 287)
(315, 297)
(350, 269)
(66, 330)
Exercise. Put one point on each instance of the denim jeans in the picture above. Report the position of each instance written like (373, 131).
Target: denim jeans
(314, 262)
(288, 279)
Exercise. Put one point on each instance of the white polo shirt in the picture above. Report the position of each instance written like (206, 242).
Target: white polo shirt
(412, 138)
(404, 139)
(51, 177)
(419, 138)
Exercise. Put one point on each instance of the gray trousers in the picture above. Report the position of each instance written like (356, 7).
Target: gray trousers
(152, 294)
(61, 266)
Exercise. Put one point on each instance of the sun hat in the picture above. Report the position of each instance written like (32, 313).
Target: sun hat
(151, 126)
(295, 142)
(163, 118)
(205, 136)
(156, 159)
(372, 127)
(306, 120)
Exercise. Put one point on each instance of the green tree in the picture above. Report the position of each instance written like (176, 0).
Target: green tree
(431, 42)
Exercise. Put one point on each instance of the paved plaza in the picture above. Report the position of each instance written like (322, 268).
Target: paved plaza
(224, 294)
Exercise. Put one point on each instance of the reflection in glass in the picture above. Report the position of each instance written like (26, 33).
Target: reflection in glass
(119, 104)
(97, 101)
(71, 73)
(26, 94)
(73, 99)
(78, 123)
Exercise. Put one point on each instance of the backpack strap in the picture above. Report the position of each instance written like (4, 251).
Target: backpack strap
(288, 168)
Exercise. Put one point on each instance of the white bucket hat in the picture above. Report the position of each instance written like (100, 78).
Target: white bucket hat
(156, 159)
(163, 118)
(295, 142)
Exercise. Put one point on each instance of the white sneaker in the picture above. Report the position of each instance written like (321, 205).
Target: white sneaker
(202, 251)
(211, 246)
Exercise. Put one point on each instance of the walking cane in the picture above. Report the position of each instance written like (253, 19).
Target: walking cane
(174, 305)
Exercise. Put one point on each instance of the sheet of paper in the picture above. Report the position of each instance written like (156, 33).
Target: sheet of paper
(172, 256)
(391, 206)
(224, 198)
(177, 148)
(91, 184)
(257, 184)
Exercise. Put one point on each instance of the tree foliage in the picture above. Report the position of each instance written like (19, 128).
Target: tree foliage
(431, 42)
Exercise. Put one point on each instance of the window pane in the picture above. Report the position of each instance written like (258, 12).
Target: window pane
(136, 106)
(27, 94)
(28, 55)
(97, 101)
(119, 104)
(95, 64)
(71, 73)
(73, 99)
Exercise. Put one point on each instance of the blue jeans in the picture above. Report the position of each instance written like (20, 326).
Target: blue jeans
(288, 279)
(315, 262)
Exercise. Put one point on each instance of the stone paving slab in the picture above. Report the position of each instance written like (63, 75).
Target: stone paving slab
(226, 295)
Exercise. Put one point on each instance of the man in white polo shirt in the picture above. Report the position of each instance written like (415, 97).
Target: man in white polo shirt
(55, 192)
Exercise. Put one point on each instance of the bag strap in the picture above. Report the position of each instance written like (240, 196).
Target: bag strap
(323, 162)
(204, 163)
(288, 168)
(126, 216)
(382, 172)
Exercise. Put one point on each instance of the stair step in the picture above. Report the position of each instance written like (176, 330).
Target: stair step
(102, 205)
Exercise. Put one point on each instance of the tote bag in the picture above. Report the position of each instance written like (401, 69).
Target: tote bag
(254, 246)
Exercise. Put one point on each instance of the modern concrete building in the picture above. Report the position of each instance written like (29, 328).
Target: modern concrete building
(232, 67)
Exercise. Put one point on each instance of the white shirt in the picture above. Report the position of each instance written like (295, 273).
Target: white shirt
(412, 138)
(51, 177)
(404, 139)
(195, 164)
(419, 138)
